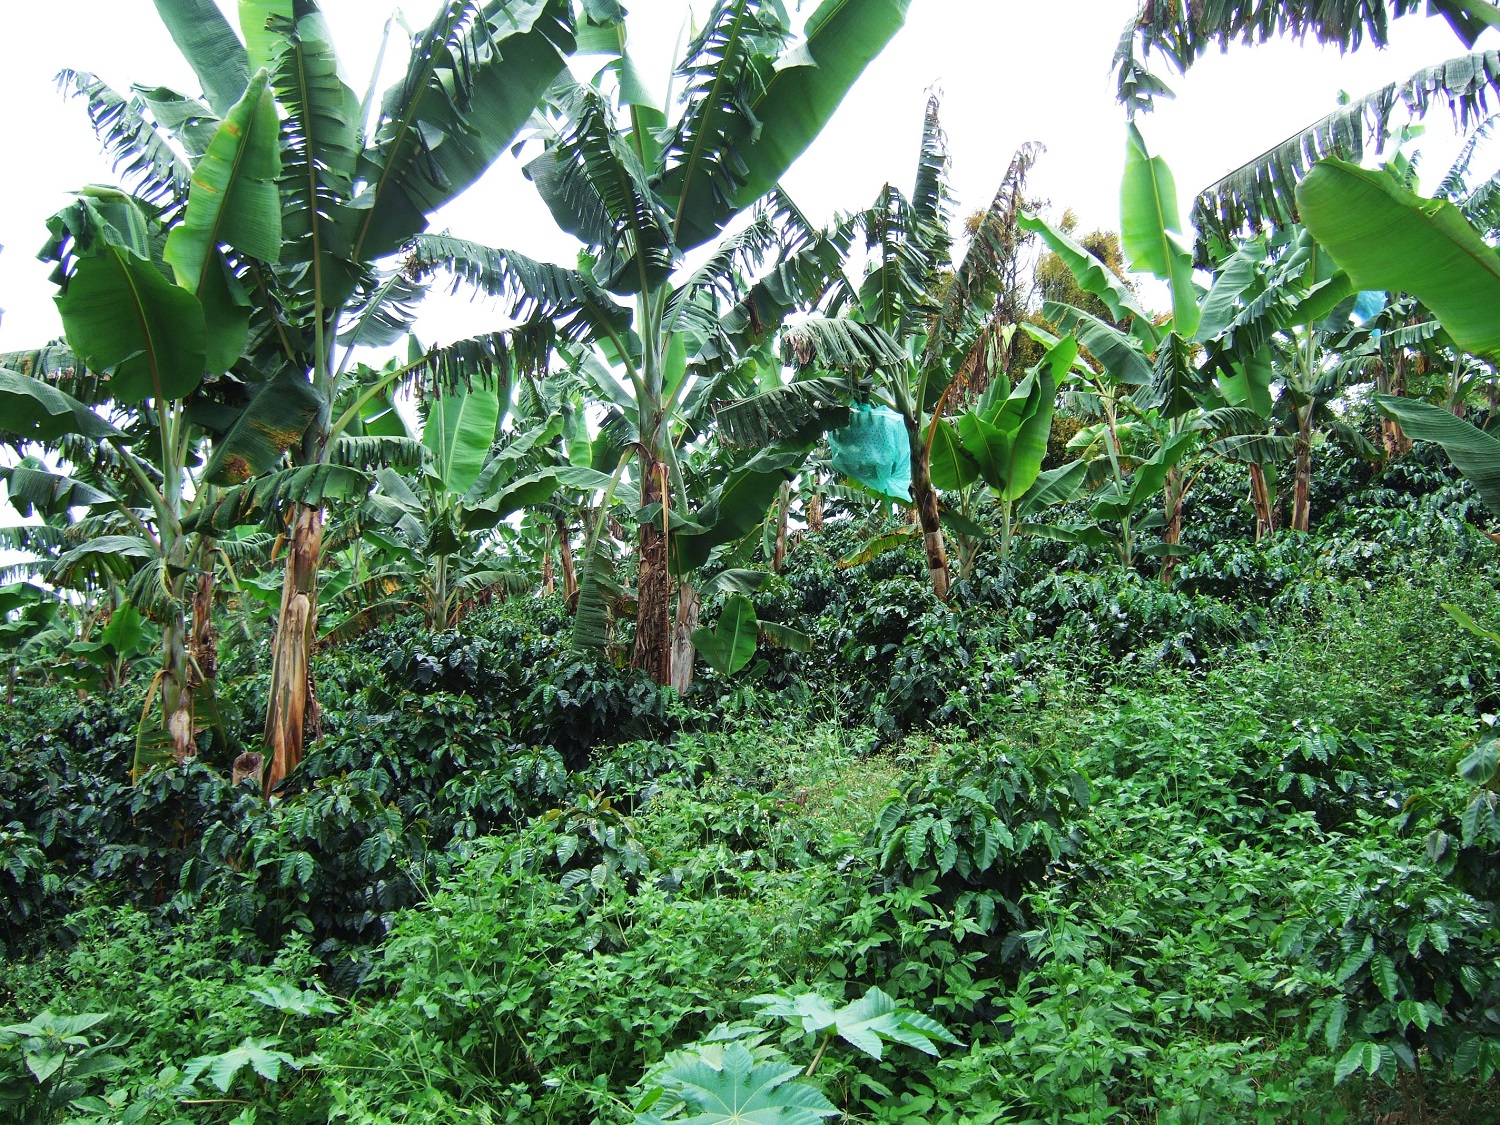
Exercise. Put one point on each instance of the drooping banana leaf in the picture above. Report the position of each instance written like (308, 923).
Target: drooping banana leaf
(122, 316)
(731, 150)
(371, 451)
(843, 36)
(1232, 279)
(142, 157)
(839, 344)
(569, 302)
(524, 492)
(119, 555)
(1183, 32)
(784, 636)
(1474, 452)
(276, 418)
(188, 119)
(1119, 353)
(790, 412)
(32, 410)
(211, 48)
(880, 544)
(596, 188)
(736, 581)
(1092, 275)
(1055, 486)
(261, 498)
(736, 508)
(32, 487)
(473, 79)
(1263, 190)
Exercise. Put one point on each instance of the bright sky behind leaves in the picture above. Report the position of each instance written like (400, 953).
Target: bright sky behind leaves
(1009, 72)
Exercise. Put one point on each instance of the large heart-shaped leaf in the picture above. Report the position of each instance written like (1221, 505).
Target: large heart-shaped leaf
(730, 645)
(867, 1023)
(258, 1054)
(122, 316)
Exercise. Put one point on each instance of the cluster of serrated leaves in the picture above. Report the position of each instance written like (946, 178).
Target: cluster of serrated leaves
(732, 1075)
(867, 1023)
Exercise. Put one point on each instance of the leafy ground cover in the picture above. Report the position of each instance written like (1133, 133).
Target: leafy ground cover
(1082, 848)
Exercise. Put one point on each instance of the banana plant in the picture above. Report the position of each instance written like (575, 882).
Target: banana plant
(294, 267)
(470, 480)
(1002, 441)
(1260, 193)
(149, 315)
(730, 645)
(28, 620)
(914, 337)
(1389, 238)
(711, 549)
(1119, 364)
(643, 185)
(1207, 372)
(125, 637)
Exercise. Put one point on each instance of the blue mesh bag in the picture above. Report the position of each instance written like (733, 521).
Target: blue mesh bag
(873, 450)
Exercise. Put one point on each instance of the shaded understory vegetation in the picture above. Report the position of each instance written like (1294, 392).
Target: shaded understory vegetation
(1186, 852)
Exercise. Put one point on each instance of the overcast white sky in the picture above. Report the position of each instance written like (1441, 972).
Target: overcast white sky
(1009, 71)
